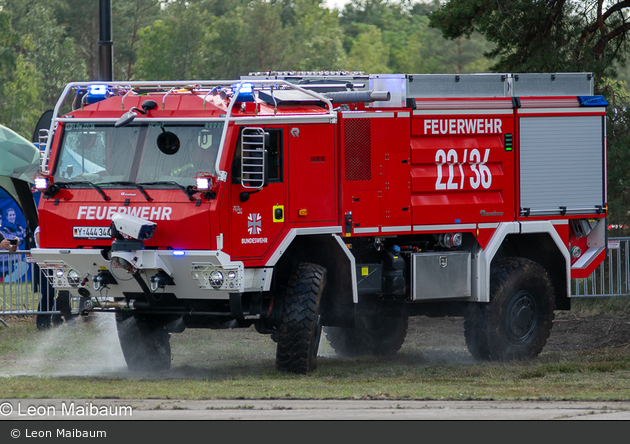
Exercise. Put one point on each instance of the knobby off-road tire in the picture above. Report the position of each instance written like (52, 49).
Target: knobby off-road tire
(516, 323)
(145, 345)
(380, 330)
(300, 328)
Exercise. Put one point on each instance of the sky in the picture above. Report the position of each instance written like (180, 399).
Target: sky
(338, 4)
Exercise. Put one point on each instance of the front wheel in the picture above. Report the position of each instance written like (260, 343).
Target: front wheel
(300, 327)
(517, 321)
(145, 343)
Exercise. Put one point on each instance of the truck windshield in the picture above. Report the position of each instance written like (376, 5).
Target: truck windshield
(104, 155)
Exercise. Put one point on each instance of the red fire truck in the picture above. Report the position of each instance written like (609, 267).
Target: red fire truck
(299, 201)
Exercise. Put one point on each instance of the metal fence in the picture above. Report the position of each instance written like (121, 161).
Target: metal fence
(21, 292)
(22, 286)
(611, 278)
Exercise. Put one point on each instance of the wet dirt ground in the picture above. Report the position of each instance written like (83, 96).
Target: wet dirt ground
(570, 332)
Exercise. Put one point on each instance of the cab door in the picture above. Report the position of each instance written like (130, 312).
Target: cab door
(257, 202)
(312, 167)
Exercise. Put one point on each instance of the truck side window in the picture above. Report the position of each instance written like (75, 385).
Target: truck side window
(273, 146)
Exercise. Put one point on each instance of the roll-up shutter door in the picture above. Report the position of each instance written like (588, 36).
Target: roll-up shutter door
(561, 165)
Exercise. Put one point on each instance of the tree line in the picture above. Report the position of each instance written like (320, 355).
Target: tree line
(46, 43)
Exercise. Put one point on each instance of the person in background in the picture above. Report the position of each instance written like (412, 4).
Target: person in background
(5, 244)
(11, 228)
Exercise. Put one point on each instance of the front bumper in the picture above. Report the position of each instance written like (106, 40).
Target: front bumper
(194, 274)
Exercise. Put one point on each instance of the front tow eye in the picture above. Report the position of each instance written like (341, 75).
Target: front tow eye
(160, 280)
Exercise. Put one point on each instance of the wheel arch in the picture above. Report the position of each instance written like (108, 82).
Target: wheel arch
(537, 241)
(329, 251)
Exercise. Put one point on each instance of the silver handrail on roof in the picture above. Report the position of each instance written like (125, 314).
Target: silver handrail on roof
(130, 87)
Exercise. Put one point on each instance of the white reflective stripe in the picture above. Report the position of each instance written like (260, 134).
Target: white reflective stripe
(401, 228)
(318, 230)
(361, 115)
(585, 110)
(455, 112)
(481, 266)
(365, 230)
(405, 114)
(446, 227)
(560, 221)
(488, 225)
(587, 258)
(141, 119)
(547, 227)
(282, 119)
(275, 257)
(353, 267)
(238, 120)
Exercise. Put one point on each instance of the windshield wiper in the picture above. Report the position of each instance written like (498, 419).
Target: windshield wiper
(81, 182)
(132, 184)
(171, 182)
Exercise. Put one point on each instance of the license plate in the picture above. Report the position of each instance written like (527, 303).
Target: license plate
(91, 232)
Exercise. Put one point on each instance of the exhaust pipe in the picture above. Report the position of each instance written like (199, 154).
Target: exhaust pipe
(358, 96)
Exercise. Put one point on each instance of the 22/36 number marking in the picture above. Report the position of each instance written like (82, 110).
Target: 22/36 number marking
(481, 173)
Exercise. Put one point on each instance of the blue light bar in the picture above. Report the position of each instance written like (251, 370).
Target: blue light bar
(97, 90)
(592, 101)
(246, 93)
(96, 93)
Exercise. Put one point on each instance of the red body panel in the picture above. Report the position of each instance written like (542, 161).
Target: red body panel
(462, 178)
(180, 223)
(312, 174)
(396, 171)
(374, 160)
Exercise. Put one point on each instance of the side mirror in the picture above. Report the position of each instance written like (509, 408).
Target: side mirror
(126, 118)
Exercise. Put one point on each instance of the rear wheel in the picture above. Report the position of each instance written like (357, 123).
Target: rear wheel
(300, 327)
(145, 343)
(380, 330)
(518, 320)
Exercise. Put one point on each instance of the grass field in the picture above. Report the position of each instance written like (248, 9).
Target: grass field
(84, 361)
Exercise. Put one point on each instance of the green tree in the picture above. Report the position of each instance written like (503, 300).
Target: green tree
(315, 39)
(8, 40)
(80, 19)
(559, 36)
(413, 46)
(544, 35)
(52, 53)
(394, 21)
(19, 90)
(369, 53)
(169, 48)
(22, 106)
(128, 18)
(618, 141)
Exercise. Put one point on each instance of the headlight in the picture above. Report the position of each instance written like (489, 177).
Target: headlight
(576, 252)
(216, 279)
(73, 278)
